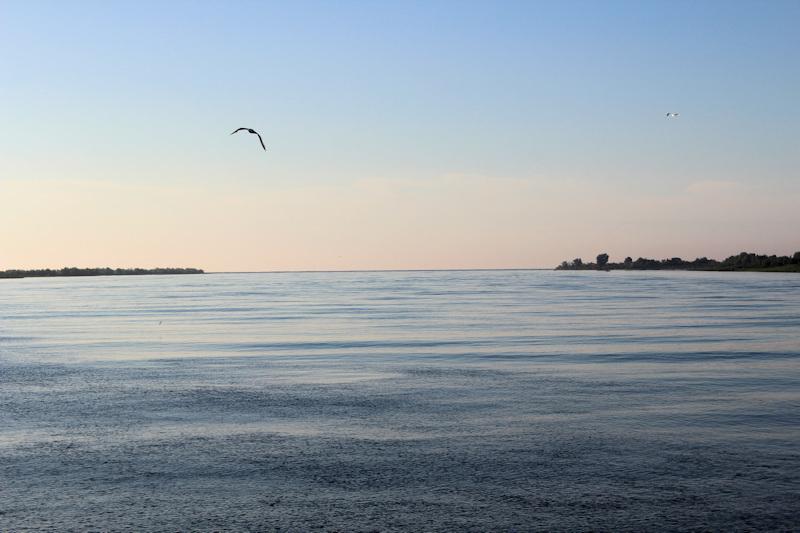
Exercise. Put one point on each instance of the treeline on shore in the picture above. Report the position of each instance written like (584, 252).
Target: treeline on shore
(72, 271)
(742, 261)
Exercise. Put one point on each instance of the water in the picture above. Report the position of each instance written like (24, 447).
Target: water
(501, 400)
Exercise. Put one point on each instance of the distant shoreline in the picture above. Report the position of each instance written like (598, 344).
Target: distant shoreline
(743, 262)
(85, 272)
(48, 273)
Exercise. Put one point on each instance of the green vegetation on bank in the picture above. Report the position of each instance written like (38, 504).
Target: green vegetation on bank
(743, 262)
(72, 271)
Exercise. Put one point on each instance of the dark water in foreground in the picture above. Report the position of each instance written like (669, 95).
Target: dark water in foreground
(401, 400)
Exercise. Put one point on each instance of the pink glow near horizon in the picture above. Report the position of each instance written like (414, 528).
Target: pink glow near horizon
(449, 222)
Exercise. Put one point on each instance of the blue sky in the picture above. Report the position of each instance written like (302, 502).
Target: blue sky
(145, 93)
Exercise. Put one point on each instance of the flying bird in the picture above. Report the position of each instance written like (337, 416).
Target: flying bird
(254, 132)
(669, 115)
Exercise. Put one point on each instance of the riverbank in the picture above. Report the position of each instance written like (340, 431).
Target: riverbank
(74, 272)
(743, 262)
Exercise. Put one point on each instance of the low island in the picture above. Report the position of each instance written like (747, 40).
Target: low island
(744, 261)
(72, 271)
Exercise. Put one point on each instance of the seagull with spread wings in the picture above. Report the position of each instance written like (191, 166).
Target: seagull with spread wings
(672, 115)
(254, 132)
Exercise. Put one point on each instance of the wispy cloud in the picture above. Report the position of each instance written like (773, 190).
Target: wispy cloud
(715, 187)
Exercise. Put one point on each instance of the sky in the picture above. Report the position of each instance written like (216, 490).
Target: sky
(400, 135)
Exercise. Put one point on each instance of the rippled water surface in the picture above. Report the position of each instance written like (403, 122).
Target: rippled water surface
(483, 400)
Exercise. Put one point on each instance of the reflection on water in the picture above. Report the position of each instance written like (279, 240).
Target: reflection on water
(503, 399)
(511, 315)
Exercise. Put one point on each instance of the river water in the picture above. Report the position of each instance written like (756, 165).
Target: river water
(449, 400)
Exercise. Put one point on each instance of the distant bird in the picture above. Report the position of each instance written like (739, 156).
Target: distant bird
(254, 132)
(669, 115)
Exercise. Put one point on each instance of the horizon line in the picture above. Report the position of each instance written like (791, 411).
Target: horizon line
(376, 270)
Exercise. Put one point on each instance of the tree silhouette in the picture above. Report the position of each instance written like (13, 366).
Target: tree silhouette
(741, 261)
(73, 271)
